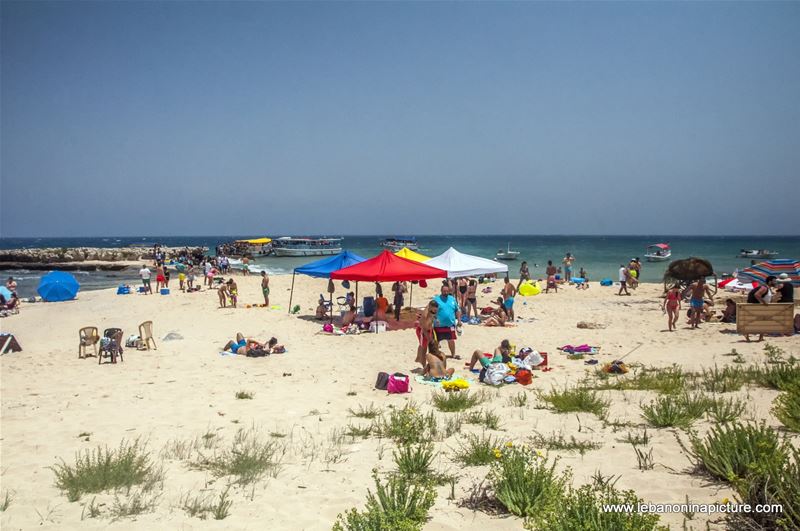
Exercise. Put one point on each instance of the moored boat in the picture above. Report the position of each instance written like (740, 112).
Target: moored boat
(658, 252)
(396, 244)
(289, 246)
(757, 253)
(508, 254)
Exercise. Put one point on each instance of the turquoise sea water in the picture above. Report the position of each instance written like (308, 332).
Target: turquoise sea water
(599, 255)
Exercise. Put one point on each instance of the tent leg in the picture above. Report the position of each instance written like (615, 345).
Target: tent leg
(411, 296)
(291, 294)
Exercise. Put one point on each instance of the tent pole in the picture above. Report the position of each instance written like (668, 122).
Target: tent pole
(291, 293)
(411, 296)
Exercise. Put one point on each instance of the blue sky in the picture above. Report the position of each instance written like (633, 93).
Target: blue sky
(181, 118)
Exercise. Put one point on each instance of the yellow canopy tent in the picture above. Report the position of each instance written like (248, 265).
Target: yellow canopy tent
(407, 253)
(256, 241)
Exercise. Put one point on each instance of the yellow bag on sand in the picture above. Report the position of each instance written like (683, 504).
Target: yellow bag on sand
(528, 289)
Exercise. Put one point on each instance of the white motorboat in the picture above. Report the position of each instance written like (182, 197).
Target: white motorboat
(289, 246)
(658, 252)
(508, 254)
(397, 244)
(757, 253)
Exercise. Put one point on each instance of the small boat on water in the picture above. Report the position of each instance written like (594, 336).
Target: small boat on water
(289, 246)
(508, 254)
(757, 253)
(658, 252)
(396, 244)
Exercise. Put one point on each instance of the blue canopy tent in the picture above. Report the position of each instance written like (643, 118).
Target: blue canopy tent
(323, 269)
(58, 286)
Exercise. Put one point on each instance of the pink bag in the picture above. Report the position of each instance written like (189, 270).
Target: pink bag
(327, 327)
(398, 383)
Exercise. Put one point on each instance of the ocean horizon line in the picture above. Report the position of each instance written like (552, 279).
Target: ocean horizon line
(416, 235)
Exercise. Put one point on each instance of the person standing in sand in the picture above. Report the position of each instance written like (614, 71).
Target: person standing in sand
(160, 280)
(472, 298)
(144, 273)
(624, 275)
(265, 287)
(509, 291)
(699, 289)
(551, 277)
(447, 316)
(462, 292)
(398, 288)
(233, 290)
(524, 274)
(567, 261)
(672, 306)
(222, 292)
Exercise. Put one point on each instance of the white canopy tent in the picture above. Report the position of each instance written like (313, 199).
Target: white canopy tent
(465, 265)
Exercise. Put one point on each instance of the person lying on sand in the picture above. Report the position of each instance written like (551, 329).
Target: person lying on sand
(436, 364)
(502, 354)
(244, 346)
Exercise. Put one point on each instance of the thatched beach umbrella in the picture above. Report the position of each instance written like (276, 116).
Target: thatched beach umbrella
(686, 271)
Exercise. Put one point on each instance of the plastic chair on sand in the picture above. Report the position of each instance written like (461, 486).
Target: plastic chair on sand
(111, 345)
(146, 335)
(89, 337)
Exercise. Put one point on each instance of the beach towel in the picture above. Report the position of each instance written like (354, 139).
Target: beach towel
(438, 383)
(227, 353)
(580, 349)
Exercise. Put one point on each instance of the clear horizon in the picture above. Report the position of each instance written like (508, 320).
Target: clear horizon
(625, 118)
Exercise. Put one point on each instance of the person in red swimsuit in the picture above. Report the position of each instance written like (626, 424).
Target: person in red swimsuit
(672, 305)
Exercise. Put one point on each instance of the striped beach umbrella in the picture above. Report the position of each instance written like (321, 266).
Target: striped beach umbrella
(760, 272)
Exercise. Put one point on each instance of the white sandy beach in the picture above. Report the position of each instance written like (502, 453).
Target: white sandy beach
(186, 389)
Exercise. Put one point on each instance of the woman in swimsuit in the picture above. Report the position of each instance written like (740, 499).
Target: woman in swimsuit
(436, 364)
(462, 292)
(551, 277)
(524, 274)
(425, 330)
(160, 280)
(499, 317)
(672, 305)
(233, 289)
(472, 298)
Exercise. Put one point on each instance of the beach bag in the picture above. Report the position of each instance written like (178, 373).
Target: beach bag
(346, 284)
(606, 282)
(256, 353)
(524, 377)
(327, 327)
(383, 381)
(398, 383)
(495, 374)
(423, 283)
(331, 287)
(133, 341)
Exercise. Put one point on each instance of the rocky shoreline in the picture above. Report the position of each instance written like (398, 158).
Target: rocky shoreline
(80, 258)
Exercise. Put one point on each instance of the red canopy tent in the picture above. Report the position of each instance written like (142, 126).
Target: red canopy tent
(388, 267)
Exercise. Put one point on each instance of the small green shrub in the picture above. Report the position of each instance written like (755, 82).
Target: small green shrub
(244, 395)
(666, 412)
(406, 425)
(582, 509)
(202, 506)
(104, 469)
(369, 412)
(669, 380)
(723, 410)
(477, 450)
(358, 431)
(786, 408)
(249, 458)
(524, 483)
(732, 451)
(575, 399)
(723, 381)
(414, 460)
(456, 401)
(6, 500)
(775, 375)
(485, 418)
(518, 400)
(397, 505)
(557, 441)
(637, 439)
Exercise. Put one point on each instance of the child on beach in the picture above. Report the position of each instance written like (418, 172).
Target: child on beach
(265, 287)
(222, 292)
(233, 291)
(624, 276)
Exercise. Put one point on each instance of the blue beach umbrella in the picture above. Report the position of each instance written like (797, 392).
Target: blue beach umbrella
(5, 293)
(58, 286)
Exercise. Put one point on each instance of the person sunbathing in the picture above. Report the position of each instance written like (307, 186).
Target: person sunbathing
(245, 347)
(499, 317)
(322, 309)
(436, 364)
(502, 354)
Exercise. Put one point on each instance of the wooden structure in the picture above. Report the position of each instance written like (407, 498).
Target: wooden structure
(760, 319)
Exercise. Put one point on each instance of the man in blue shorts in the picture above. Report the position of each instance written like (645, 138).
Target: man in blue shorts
(448, 316)
(699, 289)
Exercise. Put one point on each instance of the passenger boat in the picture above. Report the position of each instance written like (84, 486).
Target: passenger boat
(508, 254)
(289, 246)
(658, 252)
(396, 244)
(757, 253)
